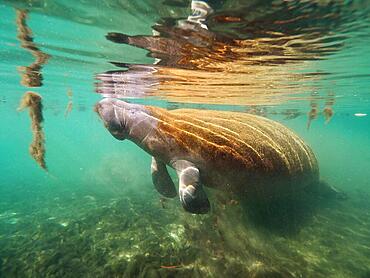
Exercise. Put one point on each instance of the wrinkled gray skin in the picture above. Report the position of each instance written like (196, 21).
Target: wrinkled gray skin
(133, 122)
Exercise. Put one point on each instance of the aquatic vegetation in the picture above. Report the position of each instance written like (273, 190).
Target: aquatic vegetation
(313, 113)
(122, 236)
(31, 75)
(33, 102)
(327, 112)
(69, 104)
(328, 109)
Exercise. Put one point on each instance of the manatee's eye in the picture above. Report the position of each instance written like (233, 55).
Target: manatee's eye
(118, 135)
(106, 111)
(115, 128)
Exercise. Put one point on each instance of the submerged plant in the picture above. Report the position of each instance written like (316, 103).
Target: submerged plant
(31, 75)
(33, 102)
(70, 103)
(328, 110)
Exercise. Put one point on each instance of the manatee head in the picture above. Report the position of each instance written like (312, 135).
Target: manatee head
(111, 112)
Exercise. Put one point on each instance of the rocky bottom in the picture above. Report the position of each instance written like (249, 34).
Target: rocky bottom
(65, 234)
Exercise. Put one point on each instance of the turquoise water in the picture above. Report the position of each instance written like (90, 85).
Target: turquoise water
(95, 212)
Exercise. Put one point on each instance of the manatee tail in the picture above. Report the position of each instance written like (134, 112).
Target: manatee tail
(325, 190)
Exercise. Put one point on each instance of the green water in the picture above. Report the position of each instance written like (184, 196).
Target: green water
(95, 212)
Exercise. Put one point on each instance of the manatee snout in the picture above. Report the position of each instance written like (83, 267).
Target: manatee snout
(107, 111)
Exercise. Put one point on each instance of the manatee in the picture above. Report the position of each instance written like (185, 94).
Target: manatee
(231, 151)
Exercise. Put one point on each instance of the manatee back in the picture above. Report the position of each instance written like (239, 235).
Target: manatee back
(240, 144)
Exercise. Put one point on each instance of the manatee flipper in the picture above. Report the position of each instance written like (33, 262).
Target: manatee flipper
(161, 179)
(192, 195)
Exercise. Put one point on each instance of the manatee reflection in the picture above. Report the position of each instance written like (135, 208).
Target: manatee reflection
(234, 152)
(229, 57)
(197, 86)
(284, 32)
